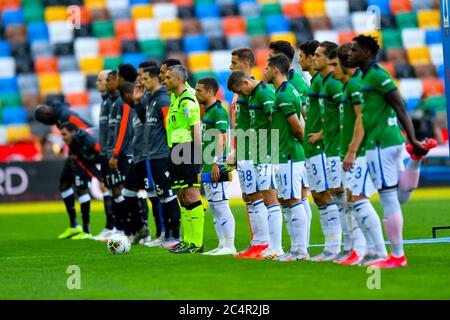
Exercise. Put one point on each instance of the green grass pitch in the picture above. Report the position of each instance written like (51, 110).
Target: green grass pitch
(34, 263)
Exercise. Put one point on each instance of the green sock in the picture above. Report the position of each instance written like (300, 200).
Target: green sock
(196, 214)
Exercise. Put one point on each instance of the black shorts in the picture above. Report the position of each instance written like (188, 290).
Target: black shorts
(137, 178)
(184, 174)
(160, 173)
(74, 174)
(117, 177)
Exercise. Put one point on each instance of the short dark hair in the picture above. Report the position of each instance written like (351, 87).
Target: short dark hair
(126, 88)
(343, 53)
(153, 71)
(171, 62)
(283, 47)
(333, 54)
(329, 47)
(112, 73)
(281, 62)
(235, 79)
(309, 47)
(245, 54)
(148, 63)
(128, 72)
(210, 84)
(69, 126)
(368, 42)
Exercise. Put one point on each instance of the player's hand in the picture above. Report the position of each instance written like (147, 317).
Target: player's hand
(138, 92)
(113, 163)
(215, 174)
(231, 158)
(418, 148)
(314, 137)
(349, 160)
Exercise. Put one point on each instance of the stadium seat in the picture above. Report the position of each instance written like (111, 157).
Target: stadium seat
(5, 48)
(419, 55)
(220, 60)
(7, 67)
(41, 49)
(49, 83)
(326, 35)
(236, 42)
(174, 46)
(429, 19)
(170, 29)
(404, 70)
(425, 71)
(234, 26)
(341, 23)
(3, 133)
(165, 11)
(94, 3)
(8, 85)
(67, 63)
(141, 12)
(72, 81)
(276, 24)
(85, 30)
(94, 97)
(433, 87)
(441, 71)
(135, 2)
(63, 48)
(319, 23)
(285, 36)
(109, 47)
(86, 47)
(147, 29)
(10, 100)
(412, 103)
(346, 36)
(398, 6)
(91, 80)
(112, 63)
(357, 5)
(37, 31)
(12, 17)
(33, 12)
(195, 43)
(271, 9)
(217, 43)
(433, 36)
(255, 26)
(383, 5)
(19, 49)
(422, 4)
(314, 8)
(359, 22)
(388, 22)
(118, 9)
(337, 8)
(14, 115)
(212, 27)
(59, 32)
(46, 65)
(99, 14)
(28, 83)
(19, 131)
(261, 41)
(413, 38)
(437, 54)
(392, 38)
(103, 29)
(153, 48)
(200, 61)
(207, 10)
(124, 30)
(411, 88)
(261, 57)
(186, 12)
(191, 26)
(249, 9)
(228, 10)
(91, 65)
(129, 46)
(406, 20)
(134, 58)
(293, 10)
(55, 13)
(257, 73)
(396, 55)
(77, 99)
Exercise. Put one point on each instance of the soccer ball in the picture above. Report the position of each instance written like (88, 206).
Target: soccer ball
(118, 244)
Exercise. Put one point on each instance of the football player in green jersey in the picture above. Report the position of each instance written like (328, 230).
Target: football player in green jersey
(367, 245)
(260, 104)
(286, 115)
(215, 125)
(383, 109)
(296, 79)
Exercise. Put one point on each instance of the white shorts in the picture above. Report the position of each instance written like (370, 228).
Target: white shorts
(334, 172)
(305, 182)
(316, 169)
(362, 184)
(247, 176)
(348, 178)
(216, 191)
(265, 177)
(385, 166)
(289, 179)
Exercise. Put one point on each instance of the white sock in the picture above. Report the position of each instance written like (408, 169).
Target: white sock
(341, 202)
(323, 213)
(216, 220)
(252, 221)
(287, 219)
(393, 220)
(299, 228)
(227, 223)
(308, 212)
(370, 225)
(358, 239)
(275, 219)
(261, 229)
(409, 180)
(335, 230)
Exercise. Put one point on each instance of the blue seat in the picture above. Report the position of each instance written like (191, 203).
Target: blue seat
(207, 10)
(194, 43)
(12, 17)
(384, 5)
(8, 85)
(433, 36)
(441, 71)
(238, 2)
(229, 95)
(134, 2)
(134, 58)
(222, 78)
(14, 115)
(37, 31)
(277, 24)
(5, 49)
(412, 103)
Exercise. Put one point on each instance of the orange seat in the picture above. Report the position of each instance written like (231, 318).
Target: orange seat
(398, 6)
(78, 99)
(183, 3)
(234, 26)
(124, 30)
(261, 57)
(141, 11)
(293, 10)
(109, 47)
(46, 65)
(389, 67)
(198, 62)
(10, 5)
(346, 36)
(85, 17)
(433, 87)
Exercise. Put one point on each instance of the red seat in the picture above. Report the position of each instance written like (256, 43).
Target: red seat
(80, 99)
(293, 10)
(46, 65)
(124, 30)
(109, 47)
(433, 87)
(389, 67)
(398, 6)
(261, 57)
(346, 36)
(234, 26)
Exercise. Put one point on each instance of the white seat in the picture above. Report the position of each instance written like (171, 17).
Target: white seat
(118, 9)
(3, 135)
(249, 9)
(86, 47)
(411, 88)
(361, 23)
(437, 54)
(73, 82)
(241, 41)
(117, 4)
(41, 49)
(413, 38)
(7, 67)
(166, 11)
(337, 8)
(326, 35)
(422, 4)
(220, 60)
(94, 97)
(58, 31)
(28, 83)
(67, 63)
(147, 29)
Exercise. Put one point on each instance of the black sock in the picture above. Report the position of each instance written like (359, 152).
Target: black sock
(156, 216)
(118, 221)
(69, 201)
(144, 209)
(136, 221)
(107, 202)
(172, 211)
(85, 213)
